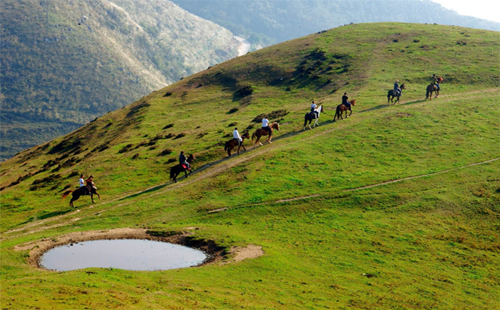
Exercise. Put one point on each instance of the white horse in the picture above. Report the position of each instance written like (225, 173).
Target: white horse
(310, 116)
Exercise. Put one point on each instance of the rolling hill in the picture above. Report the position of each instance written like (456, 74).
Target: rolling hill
(266, 22)
(64, 63)
(395, 207)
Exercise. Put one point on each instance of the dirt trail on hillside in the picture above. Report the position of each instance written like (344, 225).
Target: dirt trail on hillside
(219, 166)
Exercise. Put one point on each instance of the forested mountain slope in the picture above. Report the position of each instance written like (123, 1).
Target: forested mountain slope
(63, 63)
(266, 22)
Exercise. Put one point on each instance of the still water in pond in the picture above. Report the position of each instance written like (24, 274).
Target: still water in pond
(126, 254)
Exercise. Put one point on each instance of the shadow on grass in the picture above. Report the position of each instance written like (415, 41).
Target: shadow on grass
(45, 216)
(153, 189)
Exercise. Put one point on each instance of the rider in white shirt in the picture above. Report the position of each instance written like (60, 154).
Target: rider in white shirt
(236, 135)
(265, 125)
(313, 109)
(82, 181)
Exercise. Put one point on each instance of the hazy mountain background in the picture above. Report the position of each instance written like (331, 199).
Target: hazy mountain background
(63, 63)
(265, 22)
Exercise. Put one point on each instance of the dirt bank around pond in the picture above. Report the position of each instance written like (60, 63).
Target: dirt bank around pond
(215, 253)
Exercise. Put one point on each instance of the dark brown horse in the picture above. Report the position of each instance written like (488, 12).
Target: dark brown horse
(84, 190)
(394, 94)
(177, 169)
(262, 132)
(342, 108)
(433, 88)
(233, 143)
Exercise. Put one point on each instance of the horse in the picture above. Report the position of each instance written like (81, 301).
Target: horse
(433, 88)
(177, 169)
(233, 143)
(341, 108)
(83, 190)
(393, 93)
(261, 132)
(311, 115)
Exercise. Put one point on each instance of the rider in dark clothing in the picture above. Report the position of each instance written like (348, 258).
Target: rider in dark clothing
(345, 101)
(396, 88)
(183, 161)
(435, 81)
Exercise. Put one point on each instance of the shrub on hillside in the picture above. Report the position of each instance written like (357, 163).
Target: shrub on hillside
(166, 152)
(243, 92)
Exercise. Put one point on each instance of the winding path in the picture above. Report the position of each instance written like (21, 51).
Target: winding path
(213, 169)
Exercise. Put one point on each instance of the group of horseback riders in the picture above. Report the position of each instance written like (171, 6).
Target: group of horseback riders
(265, 127)
(435, 80)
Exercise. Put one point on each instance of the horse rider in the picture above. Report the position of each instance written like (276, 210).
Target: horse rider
(91, 184)
(82, 181)
(397, 89)
(435, 81)
(313, 109)
(345, 101)
(183, 161)
(236, 136)
(265, 126)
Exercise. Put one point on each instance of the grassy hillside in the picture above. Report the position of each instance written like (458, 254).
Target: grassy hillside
(266, 22)
(396, 207)
(66, 62)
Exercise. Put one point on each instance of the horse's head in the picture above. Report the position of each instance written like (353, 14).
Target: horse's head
(275, 126)
(353, 101)
(245, 135)
(191, 158)
(320, 108)
(403, 86)
(439, 79)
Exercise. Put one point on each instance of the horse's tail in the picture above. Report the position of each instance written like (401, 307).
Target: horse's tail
(226, 146)
(66, 194)
(428, 92)
(254, 134)
(337, 113)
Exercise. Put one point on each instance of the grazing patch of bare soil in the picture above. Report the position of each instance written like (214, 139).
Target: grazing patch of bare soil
(215, 252)
(251, 251)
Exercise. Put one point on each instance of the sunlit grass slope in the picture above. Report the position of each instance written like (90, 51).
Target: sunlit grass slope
(425, 236)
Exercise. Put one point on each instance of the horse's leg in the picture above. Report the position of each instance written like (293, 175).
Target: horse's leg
(74, 198)
(350, 113)
(229, 151)
(92, 197)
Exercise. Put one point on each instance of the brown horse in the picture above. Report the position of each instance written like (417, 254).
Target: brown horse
(177, 169)
(392, 93)
(433, 88)
(84, 190)
(233, 143)
(342, 108)
(262, 132)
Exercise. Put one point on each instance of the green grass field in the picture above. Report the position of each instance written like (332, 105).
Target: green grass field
(396, 207)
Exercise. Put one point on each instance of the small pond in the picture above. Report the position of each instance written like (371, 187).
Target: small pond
(128, 254)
